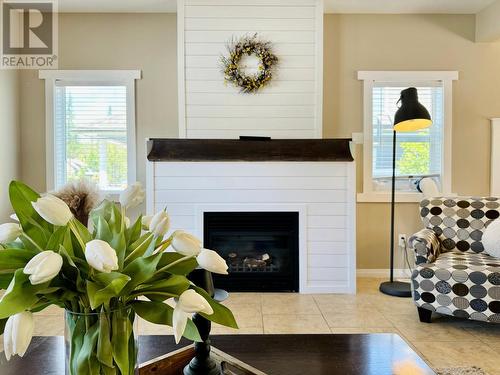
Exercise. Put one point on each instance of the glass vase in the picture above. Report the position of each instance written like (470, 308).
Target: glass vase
(101, 343)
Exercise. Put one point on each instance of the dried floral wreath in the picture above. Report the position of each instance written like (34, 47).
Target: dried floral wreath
(249, 45)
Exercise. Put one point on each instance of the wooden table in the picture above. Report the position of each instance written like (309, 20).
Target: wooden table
(370, 354)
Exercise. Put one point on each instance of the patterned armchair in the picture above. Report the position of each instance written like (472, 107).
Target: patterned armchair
(453, 275)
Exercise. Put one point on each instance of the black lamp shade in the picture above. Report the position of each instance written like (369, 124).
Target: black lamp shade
(411, 115)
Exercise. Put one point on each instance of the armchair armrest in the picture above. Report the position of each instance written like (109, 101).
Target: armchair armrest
(426, 246)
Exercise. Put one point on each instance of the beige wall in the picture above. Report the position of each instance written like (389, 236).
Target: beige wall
(9, 137)
(109, 41)
(412, 42)
(352, 43)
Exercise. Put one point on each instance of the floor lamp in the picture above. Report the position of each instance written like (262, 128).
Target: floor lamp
(411, 116)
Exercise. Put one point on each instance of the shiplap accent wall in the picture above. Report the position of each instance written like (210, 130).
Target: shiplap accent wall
(290, 107)
(322, 192)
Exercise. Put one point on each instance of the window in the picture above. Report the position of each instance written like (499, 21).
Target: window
(423, 153)
(90, 127)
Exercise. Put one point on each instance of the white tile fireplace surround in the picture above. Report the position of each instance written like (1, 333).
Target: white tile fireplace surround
(322, 192)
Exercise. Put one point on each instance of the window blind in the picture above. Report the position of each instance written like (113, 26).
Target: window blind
(90, 125)
(417, 153)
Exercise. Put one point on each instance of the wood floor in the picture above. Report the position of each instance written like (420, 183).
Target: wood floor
(446, 342)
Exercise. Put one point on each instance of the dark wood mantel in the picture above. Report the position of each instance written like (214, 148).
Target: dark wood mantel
(170, 149)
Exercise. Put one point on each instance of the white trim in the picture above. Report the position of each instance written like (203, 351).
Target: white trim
(495, 158)
(181, 75)
(399, 273)
(382, 197)
(401, 75)
(50, 162)
(273, 207)
(369, 78)
(150, 183)
(351, 225)
(131, 132)
(318, 121)
(447, 155)
(125, 77)
(93, 75)
(367, 135)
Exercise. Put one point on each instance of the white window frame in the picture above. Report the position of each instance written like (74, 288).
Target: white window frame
(91, 77)
(369, 78)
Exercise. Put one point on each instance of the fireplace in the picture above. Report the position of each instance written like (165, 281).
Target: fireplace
(260, 248)
(253, 193)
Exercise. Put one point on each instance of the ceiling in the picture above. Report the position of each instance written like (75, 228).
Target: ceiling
(331, 6)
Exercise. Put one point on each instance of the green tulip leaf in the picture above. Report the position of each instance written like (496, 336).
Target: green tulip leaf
(21, 297)
(183, 268)
(119, 243)
(133, 233)
(114, 283)
(102, 231)
(76, 325)
(104, 348)
(139, 247)
(5, 279)
(102, 211)
(161, 313)
(140, 271)
(84, 360)
(57, 238)
(21, 196)
(121, 330)
(71, 272)
(173, 285)
(13, 259)
(82, 230)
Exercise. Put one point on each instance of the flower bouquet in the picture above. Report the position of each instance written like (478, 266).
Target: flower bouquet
(102, 277)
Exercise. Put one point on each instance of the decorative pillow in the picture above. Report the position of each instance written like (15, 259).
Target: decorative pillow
(491, 239)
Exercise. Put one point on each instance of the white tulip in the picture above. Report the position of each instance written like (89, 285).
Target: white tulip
(185, 243)
(53, 210)
(132, 196)
(189, 302)
(9, 232)
(126, 221)
(17, 334)
(14, 217)
(146, 221)
(43, 267)
(160, 224)
(101, 256)
(211, 261)
(179, 322)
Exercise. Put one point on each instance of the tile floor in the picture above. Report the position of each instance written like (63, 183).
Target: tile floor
(445, 342)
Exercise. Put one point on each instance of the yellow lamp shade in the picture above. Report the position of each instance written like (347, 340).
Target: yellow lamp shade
(412, 125)
(412, 115)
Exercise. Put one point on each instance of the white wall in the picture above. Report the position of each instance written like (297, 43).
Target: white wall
(9, 137)
(322, 192)
(290, 107)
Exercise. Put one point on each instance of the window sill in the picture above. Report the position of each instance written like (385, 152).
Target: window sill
(384, 197)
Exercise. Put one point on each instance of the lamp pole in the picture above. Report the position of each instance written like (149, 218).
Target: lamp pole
(393, 196)
(391, 287)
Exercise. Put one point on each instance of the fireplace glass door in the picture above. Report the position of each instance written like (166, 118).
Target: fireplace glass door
(260, 248)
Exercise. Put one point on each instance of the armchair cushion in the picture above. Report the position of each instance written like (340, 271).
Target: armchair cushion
(426, 245)
(461, 284)
(459, 222)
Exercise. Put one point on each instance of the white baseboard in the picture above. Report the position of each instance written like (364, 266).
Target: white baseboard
(382, 272)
